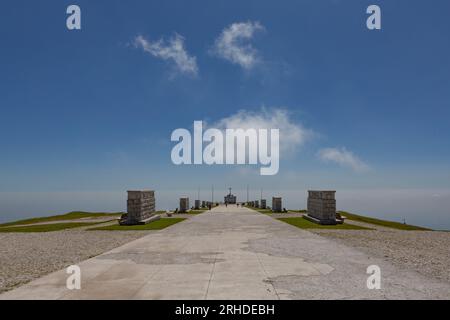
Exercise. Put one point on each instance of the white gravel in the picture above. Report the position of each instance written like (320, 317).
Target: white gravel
(26, 256)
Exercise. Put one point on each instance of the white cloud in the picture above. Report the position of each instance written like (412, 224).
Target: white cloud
(292, 135)
(344, 158)
(230, 44)
(173, 50)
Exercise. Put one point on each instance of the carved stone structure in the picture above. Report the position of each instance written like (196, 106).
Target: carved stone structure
(277, 204)
(256, 204)
(197, 204)
(230, 198)
(263, 204)
(322, 207)
(184, 205)
(140, 208)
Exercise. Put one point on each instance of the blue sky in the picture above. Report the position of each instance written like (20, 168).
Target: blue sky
(90, 111)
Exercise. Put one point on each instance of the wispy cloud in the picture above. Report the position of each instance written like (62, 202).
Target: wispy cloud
(292, 134)
(344, 158)
(231, 44)
(172, 50)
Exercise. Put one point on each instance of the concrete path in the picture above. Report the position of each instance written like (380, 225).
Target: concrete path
(233, 253)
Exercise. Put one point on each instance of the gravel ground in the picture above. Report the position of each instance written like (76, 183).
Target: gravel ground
(86, 220)
(26, 256)
(426, 252)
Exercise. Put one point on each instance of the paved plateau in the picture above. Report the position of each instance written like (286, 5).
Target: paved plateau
(233, 253)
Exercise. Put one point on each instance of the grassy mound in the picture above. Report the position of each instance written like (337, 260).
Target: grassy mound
(379, 222)
(47, 227)
(68, 216)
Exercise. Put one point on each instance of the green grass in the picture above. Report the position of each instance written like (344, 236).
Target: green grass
(160, 212)
(197, 211)
(155, 225)
(269, 211)
(302, 223)
(48, 227)
(68, 216)
(298, 211)
(379, 222)
(265, 211)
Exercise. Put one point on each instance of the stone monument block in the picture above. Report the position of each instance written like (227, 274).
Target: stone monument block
(140, 207)
(277, 204)
(322, 207)
(263, 204)
(197, 204)
(256, 204)
(184, 205)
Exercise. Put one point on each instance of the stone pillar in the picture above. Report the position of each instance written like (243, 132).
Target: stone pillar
(140, 207)
(203, 204)
(322, 207)
(184, 205)
(277, 204)
(256, 204)
(263, 204)
(197, 204)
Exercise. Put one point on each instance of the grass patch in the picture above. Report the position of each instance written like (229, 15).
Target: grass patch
(265, 211)
(269, 211)
(298, 211)
(197, 211)
(68, 216)
(302, 223)
(48, 227)
(155, 225)
(383, 223)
